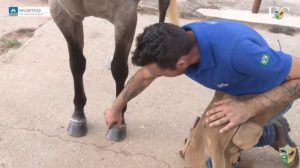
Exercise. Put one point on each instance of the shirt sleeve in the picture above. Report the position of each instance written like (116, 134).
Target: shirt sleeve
(252, 58)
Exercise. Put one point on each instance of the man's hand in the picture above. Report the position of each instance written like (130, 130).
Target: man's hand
(113, 117)
(137, 83)
(230, 112)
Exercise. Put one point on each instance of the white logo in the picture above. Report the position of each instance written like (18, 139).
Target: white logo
(223, 85)
(30, 11)
(211, 22)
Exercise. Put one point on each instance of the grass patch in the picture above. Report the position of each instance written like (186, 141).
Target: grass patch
(11, 43)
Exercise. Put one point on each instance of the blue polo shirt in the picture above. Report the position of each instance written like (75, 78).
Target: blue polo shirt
(235, 59)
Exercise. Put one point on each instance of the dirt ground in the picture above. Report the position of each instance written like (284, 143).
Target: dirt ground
(36, 102)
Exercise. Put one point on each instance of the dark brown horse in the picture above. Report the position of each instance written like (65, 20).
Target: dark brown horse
(69, 14)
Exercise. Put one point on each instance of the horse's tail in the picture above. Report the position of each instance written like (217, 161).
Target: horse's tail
(173, 12)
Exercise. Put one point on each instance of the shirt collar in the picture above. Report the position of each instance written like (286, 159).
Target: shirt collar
(206, 57)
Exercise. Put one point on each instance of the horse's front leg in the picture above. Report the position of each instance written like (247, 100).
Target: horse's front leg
(125, 24)
(73, 33)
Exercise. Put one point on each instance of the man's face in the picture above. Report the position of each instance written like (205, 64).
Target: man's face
(157, 71)
(172, 72)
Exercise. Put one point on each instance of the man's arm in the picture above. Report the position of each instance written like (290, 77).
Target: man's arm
(235, 112)
(137, 83)
(281, 95)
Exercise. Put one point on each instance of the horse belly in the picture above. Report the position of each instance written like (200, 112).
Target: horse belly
(99, 8)
(73, 7)
(107, 8)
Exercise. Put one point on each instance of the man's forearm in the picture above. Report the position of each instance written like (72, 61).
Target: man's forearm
(281, 95)
(134, 86)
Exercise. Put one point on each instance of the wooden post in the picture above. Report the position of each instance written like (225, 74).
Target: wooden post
(256, 6)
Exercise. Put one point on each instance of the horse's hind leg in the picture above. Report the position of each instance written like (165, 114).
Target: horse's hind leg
(73, 32)
(163, 7)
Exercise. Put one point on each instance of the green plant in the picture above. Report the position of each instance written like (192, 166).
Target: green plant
(13, 43)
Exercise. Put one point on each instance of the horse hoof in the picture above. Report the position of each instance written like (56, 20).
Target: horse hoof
(116, 133)
(77, 128)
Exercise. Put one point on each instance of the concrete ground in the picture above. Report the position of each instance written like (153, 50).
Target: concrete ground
(293, 5)
(36, 102)
(247, 16)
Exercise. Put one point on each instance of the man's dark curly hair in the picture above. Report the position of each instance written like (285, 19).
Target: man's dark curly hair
(163, 44)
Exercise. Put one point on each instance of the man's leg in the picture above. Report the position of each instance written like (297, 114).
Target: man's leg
(268, 136)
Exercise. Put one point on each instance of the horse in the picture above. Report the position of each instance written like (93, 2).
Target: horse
(68, 16)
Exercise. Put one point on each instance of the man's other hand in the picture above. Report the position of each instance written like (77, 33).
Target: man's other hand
(230, 112)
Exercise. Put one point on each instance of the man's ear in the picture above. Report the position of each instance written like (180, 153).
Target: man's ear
(182, 63)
